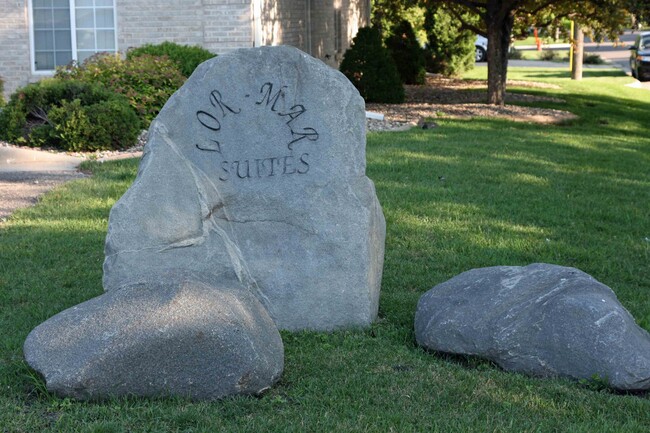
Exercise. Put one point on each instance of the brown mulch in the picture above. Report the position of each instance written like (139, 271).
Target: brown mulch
(454, 98)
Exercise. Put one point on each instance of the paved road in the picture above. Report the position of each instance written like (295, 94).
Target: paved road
(616, 53)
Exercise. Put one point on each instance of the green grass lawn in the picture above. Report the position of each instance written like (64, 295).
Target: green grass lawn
(470, 193)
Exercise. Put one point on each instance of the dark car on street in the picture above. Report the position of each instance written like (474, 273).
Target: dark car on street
(640, 57)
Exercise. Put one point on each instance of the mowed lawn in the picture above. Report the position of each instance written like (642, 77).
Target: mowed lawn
(467, 194)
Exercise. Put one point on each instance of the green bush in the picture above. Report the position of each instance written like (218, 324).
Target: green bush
(147, 81)
(110, 124)
(592, 59)
(549, 55)
(69, 115)
(369, 66)
(450, 51)
(407, 53)
(186, 57)
(515, 54)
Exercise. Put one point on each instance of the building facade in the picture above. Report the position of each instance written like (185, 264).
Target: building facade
(36, 36)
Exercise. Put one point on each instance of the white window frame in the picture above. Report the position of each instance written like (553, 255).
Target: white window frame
(73, 35)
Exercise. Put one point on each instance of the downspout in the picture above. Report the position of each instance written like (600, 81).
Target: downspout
(257, 23)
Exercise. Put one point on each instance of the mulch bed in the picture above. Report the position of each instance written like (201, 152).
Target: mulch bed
(454, 98)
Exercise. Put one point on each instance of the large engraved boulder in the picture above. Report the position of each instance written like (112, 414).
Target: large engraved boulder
(172, 338)
(542, 320)
(254, 176)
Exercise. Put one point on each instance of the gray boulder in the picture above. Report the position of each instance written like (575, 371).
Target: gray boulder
(541, 320)
(183, 339)
(254, 175)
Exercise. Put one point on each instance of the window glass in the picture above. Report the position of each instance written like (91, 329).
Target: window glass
(62, 40)
(104, 18)
(54, 35)
(43, 40)
(85, 39)
(645, 42)
(85, 19)
(105, 40)
(83, 55)
(44, 61)
(61, 18)
(43, 19)
(63, 58)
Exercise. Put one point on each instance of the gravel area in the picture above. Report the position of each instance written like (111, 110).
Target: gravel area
(23, 188)
(439, 98)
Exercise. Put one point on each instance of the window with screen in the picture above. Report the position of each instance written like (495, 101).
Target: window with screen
(66, 30)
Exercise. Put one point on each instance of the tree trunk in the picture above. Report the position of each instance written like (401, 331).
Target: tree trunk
(578, 49)
(499, 29)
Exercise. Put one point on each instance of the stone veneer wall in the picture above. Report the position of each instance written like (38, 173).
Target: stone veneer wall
(14, 45)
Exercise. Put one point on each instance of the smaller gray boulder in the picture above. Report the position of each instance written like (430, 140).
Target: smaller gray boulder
(541, 320)
(169, 338)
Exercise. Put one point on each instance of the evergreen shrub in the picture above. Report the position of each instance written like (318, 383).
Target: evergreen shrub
(450, 51)
(369, 66)
(186, 57)
(407, 53)
(146, 81)
(69, 115)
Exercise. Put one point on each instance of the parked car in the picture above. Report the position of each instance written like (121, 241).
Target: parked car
(640, 57)
(481, 48)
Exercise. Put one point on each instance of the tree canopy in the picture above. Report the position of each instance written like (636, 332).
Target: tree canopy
(498, 20)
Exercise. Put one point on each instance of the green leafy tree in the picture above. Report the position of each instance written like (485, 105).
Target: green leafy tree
(369, 66)
(407, 53)
(450, 49)
(497, 19)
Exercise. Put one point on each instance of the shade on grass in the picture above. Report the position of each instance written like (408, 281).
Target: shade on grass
(467, 194)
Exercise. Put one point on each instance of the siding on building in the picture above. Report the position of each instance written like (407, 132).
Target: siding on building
(217, 25)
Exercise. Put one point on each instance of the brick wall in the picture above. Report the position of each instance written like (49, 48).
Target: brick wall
(15, 68)
(227, 25)
(354, 14)
(284, 22)
(217, 25)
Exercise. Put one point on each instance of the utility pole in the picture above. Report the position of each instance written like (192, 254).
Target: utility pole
(577, 43)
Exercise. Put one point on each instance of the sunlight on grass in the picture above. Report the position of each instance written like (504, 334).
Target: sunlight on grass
(467, 194)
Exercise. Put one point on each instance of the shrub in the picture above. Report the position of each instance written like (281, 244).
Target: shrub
(109, 124)
(592, 59)
(450, 50)
(147, 81)
(69, 115)
(407, 53)
(186, 57)
(515, 54)
(369, 66)
(549, 55)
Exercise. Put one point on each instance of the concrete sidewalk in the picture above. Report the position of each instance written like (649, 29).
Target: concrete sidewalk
(13, 159)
